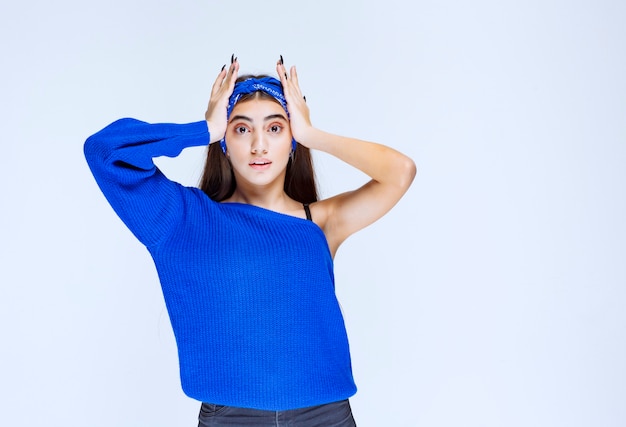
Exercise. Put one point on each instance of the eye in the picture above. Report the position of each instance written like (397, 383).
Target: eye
(275, 128)
(241, 129)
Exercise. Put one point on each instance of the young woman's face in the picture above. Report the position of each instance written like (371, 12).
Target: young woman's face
(258, 141)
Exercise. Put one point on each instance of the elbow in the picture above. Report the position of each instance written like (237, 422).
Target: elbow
(102, 143)
(406, 171)
(94, 149)
(90, 147)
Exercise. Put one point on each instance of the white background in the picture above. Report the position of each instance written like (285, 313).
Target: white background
(492, 295)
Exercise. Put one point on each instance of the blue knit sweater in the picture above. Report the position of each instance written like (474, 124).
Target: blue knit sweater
(250, 292)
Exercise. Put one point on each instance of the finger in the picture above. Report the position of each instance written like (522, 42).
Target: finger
(282, 76)
(292, 89)
(294, 74)
(234, 72)
(219, 80)
(228, 83)
(294, 79)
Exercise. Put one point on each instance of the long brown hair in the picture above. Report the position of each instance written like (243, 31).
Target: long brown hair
(218, 179)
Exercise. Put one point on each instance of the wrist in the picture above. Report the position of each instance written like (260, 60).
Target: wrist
(313, 138)
(307, 137)
(215, 133)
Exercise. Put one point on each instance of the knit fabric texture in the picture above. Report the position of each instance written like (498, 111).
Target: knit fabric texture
(249, 291)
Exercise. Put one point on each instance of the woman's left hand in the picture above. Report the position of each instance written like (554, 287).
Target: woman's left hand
(299, 117)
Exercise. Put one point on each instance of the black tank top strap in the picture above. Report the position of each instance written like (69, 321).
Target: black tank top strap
(307, 211)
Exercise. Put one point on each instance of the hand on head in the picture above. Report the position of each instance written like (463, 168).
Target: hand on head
(218, 104)
(300, 119)
(216, 114)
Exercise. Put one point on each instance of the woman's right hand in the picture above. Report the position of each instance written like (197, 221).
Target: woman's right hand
(218, 104)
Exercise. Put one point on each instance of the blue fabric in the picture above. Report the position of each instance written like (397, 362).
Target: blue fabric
(250, 292)
(269, 85)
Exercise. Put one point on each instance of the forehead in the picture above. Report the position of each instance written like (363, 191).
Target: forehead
(258, 108)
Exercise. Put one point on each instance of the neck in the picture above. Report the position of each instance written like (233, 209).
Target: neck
(272, 199)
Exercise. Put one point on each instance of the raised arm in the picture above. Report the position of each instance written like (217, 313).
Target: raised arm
(391, 172)
(120, 157)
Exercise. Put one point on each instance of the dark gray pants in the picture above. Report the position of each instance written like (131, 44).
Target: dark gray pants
(337, 414)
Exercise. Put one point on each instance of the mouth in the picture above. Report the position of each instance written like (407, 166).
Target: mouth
(260, 163)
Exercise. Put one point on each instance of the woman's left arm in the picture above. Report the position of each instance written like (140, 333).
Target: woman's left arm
(391, 172)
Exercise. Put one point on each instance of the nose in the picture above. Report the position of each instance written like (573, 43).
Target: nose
(259, 145)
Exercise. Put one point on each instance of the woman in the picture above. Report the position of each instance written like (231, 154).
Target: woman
(246, 261)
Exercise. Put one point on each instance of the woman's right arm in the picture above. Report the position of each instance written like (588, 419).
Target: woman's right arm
(120, 157)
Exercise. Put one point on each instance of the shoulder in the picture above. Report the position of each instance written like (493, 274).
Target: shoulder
(322, 213)
(319, 212)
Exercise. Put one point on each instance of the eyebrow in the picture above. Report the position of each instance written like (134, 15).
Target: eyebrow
(267, 118)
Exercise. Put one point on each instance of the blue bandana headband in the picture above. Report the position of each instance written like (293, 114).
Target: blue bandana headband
(269, 85)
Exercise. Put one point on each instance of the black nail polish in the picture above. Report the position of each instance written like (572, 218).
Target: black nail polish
(232, 58)
(286, 76)
(281, 60)
(223, 66)
(304, 98)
